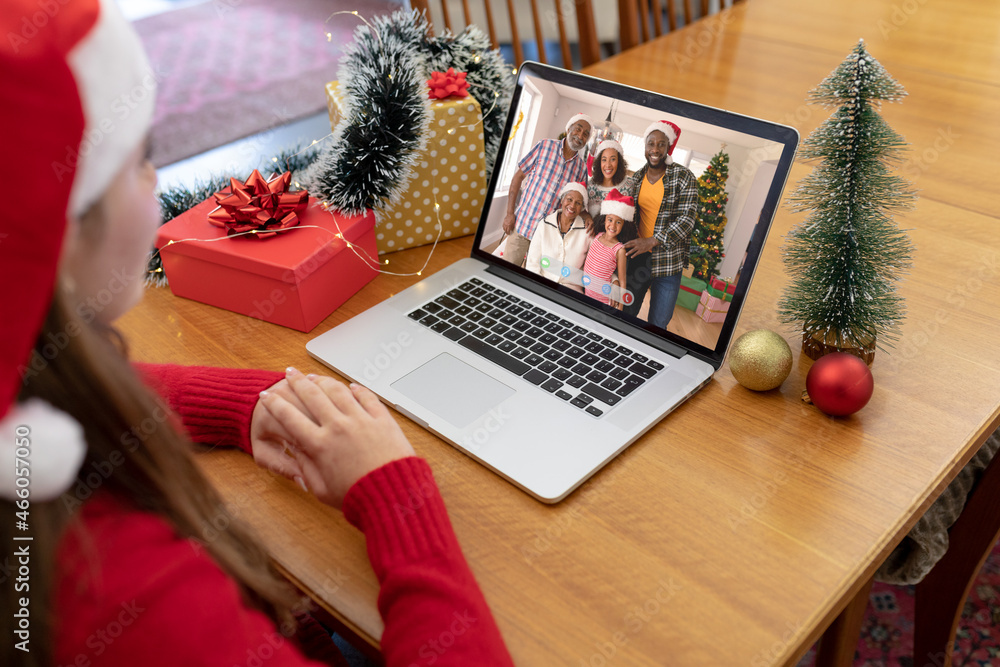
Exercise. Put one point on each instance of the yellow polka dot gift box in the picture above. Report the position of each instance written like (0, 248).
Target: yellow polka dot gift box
(451, 171)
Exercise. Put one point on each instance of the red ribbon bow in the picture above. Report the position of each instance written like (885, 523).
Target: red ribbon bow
(447, 84)
(264, 206)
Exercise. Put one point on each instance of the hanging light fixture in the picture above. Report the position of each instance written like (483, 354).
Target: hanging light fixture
(604, 130)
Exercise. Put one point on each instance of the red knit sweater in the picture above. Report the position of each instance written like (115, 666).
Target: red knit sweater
(131, 592)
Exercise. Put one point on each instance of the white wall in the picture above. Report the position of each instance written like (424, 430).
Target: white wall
(740, 228)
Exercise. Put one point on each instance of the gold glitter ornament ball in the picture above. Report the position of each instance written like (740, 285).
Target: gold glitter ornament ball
(760, 360)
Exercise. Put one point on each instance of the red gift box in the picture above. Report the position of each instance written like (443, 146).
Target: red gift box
(295, 278)
(723, 285)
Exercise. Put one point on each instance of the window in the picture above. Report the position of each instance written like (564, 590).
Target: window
(698, 163)
(681, 156)
(524, 129)
(635, 151)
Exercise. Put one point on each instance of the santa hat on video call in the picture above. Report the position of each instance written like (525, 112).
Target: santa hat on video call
(666, 127)
(606, 144)
(573, 186)
(78, 99)
(615, 203)
(576, 119)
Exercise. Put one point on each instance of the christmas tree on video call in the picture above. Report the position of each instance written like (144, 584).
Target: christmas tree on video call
(710, 219)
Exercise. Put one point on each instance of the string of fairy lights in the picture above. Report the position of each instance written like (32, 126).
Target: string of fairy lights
(356, 249)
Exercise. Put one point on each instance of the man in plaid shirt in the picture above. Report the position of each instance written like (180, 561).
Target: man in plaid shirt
(666, 195)
(549, 165)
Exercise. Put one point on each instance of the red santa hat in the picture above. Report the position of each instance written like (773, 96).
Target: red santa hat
(666, 127)
(615, 203)
(573, 186)
(576, 119)
(78, 99)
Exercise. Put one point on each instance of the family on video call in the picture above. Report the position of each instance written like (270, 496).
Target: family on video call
(612, 236)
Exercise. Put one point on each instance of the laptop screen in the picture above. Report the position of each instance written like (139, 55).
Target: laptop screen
(644, 211)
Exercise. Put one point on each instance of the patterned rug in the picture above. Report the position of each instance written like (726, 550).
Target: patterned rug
(227, 69)
(887, 633)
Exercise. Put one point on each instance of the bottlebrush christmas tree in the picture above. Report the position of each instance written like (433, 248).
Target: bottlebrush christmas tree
(847, 256)
(710, 220)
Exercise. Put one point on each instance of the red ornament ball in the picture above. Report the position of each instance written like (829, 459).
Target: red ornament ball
(840, 384)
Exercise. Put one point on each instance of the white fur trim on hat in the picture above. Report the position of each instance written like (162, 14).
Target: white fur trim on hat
(663, 127)
(46, 443)
(606, 144)
(116, 86)
(578, 117)
(671, 133)
(619, 208)
(573, 186)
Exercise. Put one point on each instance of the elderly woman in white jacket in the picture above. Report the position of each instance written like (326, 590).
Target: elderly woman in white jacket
(559, 245)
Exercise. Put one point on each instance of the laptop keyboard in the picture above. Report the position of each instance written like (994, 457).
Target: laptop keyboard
(575, 364)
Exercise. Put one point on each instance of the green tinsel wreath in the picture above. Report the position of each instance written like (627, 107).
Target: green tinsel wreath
(368, 163)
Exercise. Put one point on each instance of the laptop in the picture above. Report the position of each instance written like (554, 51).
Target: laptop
(533, 378)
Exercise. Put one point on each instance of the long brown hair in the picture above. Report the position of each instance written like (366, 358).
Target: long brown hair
(81, 368)
(597, 176)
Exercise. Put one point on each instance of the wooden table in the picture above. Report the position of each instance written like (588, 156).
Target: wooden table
(738, 528)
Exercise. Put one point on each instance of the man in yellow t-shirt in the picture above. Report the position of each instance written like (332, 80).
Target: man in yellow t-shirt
(667, 197)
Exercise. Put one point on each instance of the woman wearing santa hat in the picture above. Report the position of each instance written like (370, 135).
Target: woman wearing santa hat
(559, 245)
(610, 171)
(116, 524)
(667, 197)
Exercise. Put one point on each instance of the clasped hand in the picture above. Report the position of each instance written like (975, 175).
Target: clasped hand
(323, 434)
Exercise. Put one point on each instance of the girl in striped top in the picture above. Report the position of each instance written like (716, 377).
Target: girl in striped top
(606, 260)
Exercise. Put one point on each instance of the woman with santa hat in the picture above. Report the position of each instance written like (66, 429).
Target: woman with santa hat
(609, 171)
(96, 455)
(559, 245)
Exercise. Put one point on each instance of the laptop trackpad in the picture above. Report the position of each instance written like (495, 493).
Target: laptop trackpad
(453, 390)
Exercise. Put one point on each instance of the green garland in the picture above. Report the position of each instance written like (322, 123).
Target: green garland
(383, 126)
(369, 162)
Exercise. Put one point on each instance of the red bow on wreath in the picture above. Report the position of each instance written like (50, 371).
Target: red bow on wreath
(264, 206)
(447, 84)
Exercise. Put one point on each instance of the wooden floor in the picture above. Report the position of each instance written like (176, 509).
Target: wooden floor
(687, 325)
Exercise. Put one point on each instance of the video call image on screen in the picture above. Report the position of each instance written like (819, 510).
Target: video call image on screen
(578, 213)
